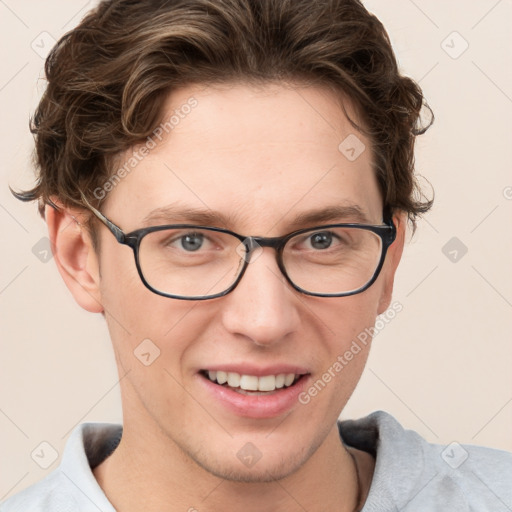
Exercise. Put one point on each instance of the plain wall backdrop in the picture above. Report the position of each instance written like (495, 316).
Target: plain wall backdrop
(442, 366)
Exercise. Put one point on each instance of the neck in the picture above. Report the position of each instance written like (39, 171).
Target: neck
(148, 471)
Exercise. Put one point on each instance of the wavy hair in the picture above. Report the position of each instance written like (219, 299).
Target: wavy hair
(108, 78)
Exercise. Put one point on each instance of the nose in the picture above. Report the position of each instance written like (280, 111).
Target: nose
(263, 306)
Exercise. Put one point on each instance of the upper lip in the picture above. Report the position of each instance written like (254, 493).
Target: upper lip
(257, 371)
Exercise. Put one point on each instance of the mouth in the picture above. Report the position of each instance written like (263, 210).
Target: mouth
(249, 391)
(252, 385)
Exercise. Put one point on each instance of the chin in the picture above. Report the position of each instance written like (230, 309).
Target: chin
(262, 471)
(275, 464)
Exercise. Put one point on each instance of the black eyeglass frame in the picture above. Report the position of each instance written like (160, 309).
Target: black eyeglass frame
(386, 232)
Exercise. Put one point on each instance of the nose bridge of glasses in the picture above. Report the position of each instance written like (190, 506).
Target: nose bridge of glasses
(254, 247)
(256, 243)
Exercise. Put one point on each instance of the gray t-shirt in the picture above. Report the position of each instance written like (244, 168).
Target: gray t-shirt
(411, 475)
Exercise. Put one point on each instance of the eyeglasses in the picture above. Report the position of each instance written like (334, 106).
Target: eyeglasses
(190, 262)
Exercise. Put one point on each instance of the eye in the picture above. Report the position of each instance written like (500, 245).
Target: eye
(325, 241)
(189, 242)
(321, 240)
(192, 241)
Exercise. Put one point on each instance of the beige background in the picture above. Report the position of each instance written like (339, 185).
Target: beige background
(442, 366)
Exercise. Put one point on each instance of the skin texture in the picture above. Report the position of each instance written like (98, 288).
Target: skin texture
(262, 156)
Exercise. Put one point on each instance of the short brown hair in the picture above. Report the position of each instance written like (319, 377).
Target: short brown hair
(108, 79)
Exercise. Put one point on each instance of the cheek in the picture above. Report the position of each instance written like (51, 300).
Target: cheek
(137, 318)
(122, 291)
(341, 357)
(346, 324)
(343, 319)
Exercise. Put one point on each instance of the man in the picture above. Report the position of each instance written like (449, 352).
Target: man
(229, 184)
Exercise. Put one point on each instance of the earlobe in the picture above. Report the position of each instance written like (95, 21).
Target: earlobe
(393, 257)
(75, 256)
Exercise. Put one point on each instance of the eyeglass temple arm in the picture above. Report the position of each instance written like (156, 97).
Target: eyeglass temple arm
(387, 218)
(116, 230)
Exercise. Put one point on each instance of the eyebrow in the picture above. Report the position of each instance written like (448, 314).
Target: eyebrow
(174, 214)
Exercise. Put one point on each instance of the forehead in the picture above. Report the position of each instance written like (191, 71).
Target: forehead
(257, 156)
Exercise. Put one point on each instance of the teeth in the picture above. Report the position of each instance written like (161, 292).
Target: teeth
(252, 382)
(289, 379)
(233, 379)
(280, 380)
(249, 383)
(267, 383)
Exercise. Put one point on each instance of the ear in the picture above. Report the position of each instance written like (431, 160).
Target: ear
(393, 257)
(75, 256)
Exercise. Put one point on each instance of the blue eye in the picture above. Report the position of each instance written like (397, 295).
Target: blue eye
(192, 241)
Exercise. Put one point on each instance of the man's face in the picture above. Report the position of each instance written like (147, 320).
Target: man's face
(259, 157)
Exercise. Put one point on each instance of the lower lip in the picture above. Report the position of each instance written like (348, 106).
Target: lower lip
(256, 406)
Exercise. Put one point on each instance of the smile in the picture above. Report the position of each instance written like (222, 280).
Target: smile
(251, 391)
(252, 383)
